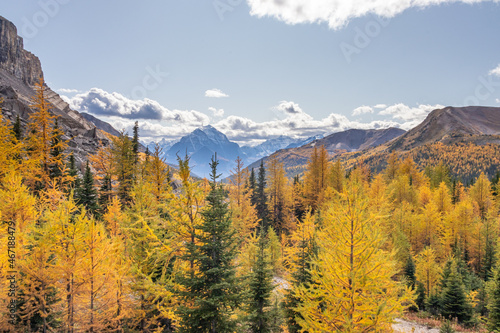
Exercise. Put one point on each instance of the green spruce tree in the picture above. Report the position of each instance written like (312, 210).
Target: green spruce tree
(410, 272)
(213, 291)
(454, 302)
(261, 286)
(18, 133)
(56, 151)
(135, 142)
(261, 197)
(494, 304)
(86, 194)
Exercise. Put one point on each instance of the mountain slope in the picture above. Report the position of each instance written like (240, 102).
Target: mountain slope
(448, 124)
(466, 139)
(295, 159)
(20, 70)
(270, 146)
(102, 125)
(201, 145)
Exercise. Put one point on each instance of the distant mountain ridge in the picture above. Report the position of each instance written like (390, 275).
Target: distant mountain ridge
(448, 124)
(200, 146)
(465, 139)
(336, 143)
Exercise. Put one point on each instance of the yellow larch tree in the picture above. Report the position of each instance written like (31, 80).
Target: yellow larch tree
(244, 215)
(97, 300)
(158, 174)
(316, 178)
(151, 244)
(428, 270)
(279, 195)
(41, 140)
(103, 164)
(352, 287)
(19, 215)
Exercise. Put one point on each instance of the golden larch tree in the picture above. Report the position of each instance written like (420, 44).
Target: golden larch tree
(352, 287)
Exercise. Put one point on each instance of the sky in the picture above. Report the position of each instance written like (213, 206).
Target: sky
(257, 69)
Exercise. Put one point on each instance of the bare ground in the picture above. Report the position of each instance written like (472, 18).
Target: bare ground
(403, 326)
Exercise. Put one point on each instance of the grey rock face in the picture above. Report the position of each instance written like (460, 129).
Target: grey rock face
(14, 58)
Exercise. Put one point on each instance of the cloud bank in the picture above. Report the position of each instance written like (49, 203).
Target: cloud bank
(157, 122)
(338, 13)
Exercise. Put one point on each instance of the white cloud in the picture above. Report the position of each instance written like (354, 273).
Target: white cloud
(496, 71)
(289, 108)
(215, 93)
(67, 91)
(218, 113)
(380, 106)
(103, 103)
(362, 110)
(498, 100)
(411, 116)
(337, 13)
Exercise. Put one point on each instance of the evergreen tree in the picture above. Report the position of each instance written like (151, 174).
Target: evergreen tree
(124, 168)
(135, 142)
(454, 302)
(494, 305)
(410, 272)
(261, 197)
(18, 133)
(105, 191)
(57, 148)
(212, 292)
(86, 194)
(261, 287)
(73, 173)
(420, 296)
(252, 187)
(301, 262)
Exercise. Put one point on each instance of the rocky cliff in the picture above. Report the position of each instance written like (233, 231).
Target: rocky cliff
(20, 70)
(14, 58)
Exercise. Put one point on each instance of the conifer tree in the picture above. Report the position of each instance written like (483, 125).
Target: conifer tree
(337, 176)
(299, 257)
(278, 196)
(40, 125)
(74, 182)
(494, 304)
(106, 170)
(86, 194)
(454, 303)
(124, 165)
(260, 287)
(261, 197)
(409, 272)
(352, 275)
(243, 212)
(57, 148)
(252, 187)
(18, 133)
(214, 290)
(135, 142)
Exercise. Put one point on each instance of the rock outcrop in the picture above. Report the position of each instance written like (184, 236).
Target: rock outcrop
(14, 58)
(20, 70)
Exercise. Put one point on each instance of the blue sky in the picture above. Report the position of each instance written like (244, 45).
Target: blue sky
(295, 67)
